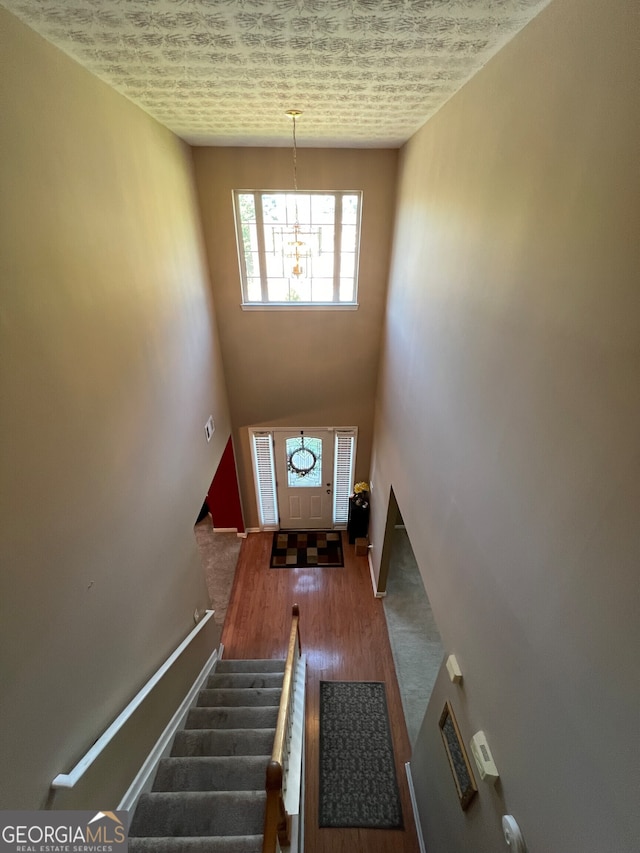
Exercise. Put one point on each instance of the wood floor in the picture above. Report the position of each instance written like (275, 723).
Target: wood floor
(344, 636)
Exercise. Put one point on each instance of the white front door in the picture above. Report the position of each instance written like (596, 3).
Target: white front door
(304, 475)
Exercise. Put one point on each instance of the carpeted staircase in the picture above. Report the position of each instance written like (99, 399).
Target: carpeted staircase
(210, 794)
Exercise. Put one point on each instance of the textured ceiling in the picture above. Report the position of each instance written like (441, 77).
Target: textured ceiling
(223, 72)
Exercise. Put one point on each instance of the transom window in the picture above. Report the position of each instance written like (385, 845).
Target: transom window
(298, 248)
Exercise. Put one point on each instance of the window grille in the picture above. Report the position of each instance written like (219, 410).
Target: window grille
(298, 248)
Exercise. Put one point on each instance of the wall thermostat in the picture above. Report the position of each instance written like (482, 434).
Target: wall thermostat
(482, 754)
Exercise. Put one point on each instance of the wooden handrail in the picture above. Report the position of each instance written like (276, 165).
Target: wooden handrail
(287, 683)
(277, 823)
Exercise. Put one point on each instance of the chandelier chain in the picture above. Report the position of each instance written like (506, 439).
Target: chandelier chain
(295, 157)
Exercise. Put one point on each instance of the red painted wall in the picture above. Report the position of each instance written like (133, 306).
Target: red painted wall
(223, 497)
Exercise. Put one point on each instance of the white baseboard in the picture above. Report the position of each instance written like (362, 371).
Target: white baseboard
(414, 806)
(257, 529)
(144, 777)
(242, 535)
(373, 579)
(225, 529)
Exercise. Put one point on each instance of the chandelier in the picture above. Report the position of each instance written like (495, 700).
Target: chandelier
(295, 248)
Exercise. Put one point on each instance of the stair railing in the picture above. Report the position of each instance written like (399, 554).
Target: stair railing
(69, 780)
(277, 823)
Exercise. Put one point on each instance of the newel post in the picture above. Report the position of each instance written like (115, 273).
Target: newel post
(276, 821)
(295, 613)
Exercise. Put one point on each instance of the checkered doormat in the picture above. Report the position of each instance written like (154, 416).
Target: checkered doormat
(299, 549)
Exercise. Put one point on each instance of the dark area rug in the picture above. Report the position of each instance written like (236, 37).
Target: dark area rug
(299, 549)
(358, 783)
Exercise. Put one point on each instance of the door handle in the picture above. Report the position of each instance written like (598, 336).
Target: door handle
(328, 491)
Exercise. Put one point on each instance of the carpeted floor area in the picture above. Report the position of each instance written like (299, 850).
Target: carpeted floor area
(358, 782)
(415, 640)
(304, 549)
(219, 556)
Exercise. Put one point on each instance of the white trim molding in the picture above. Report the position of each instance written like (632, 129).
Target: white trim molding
(414, 806)
(374, 583)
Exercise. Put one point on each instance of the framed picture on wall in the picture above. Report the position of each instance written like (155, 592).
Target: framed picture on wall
(458, 761)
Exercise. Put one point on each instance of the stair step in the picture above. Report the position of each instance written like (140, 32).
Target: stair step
(199, 813)
(260, 717)
(270, 665)
(209, 844)
(244, 679)
(191, 742)
(212, 773)
(231, 697)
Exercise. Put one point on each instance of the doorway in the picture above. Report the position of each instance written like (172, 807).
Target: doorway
(217, 530)
(413, 633)
(304, 478)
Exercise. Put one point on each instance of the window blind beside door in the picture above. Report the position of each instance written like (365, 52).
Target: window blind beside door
(265, 476)
(343, 474)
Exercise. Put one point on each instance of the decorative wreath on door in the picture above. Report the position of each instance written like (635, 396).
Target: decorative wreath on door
(302, 460)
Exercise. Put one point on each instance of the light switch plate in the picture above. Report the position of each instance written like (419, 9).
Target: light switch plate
(453, 668)
(209, 428)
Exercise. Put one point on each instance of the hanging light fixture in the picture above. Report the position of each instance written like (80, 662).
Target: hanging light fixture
(293, 245)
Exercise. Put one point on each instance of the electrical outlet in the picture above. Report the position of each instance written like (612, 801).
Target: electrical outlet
(209, 428)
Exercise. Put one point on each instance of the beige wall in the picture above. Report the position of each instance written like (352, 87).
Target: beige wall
(289, 368)
(507, 423)
(109, 368)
